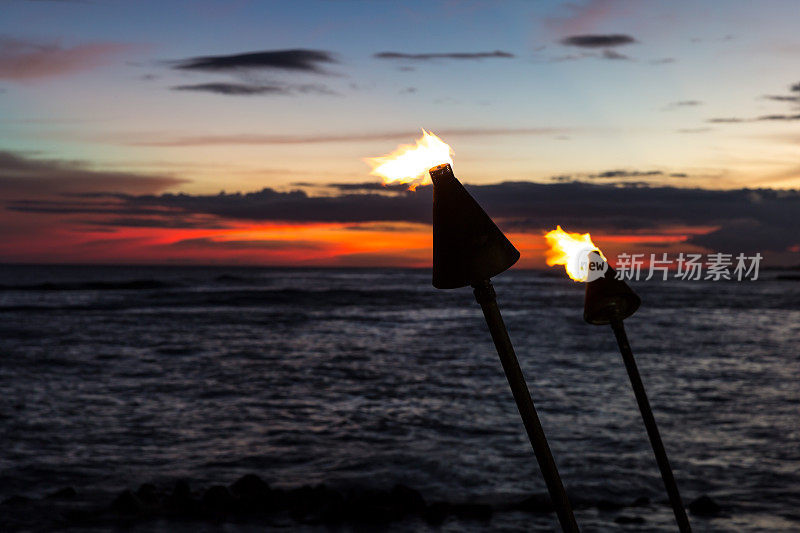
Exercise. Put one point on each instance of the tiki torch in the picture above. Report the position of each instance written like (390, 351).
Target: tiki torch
(609, 300)
(468, 250)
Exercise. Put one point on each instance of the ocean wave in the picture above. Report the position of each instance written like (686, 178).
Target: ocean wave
(132, 285)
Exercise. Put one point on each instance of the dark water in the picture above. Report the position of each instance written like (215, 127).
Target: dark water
(115, 376)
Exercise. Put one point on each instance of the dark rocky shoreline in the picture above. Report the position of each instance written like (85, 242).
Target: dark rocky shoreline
(251, 500)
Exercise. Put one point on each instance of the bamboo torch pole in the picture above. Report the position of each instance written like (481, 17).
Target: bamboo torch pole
(485, 295)
(650, 425)
(610, 300)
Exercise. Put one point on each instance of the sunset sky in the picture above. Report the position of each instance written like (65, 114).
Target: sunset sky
(235, 132)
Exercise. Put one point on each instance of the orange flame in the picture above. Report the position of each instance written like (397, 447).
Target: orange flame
(572, 251)
(410, 162)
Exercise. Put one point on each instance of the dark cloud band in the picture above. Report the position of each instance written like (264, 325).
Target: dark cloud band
(246, 89)
(301, 60)
(598, 41)
(518, 206)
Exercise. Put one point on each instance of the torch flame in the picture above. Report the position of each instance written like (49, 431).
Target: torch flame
(410, 162)
(571, 250)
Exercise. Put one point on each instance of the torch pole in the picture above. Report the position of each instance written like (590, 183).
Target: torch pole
(486, 297)
(650, 425)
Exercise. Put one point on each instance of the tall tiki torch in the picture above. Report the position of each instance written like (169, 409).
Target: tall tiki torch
(610, 300)
(468, 250)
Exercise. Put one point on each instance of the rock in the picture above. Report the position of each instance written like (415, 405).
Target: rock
(279, 499)
(62, 494)
(333, 509)
(127, 503)
(250, 486)
(255, 495)
(16, 499)
(217, 500)
(410, 499)
(436, 513)
(472, 511)
(641, 501)
(181, 490)
(704, 505)
(307, 504)
(375, 507)
(180, 501)
(148, 493)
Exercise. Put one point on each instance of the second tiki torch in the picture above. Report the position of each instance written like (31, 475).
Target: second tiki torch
(609, 301)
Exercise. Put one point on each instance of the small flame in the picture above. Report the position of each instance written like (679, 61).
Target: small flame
(572, 251)
(410, 162)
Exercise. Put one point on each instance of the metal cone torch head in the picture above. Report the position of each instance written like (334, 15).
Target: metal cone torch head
(467, 245)
(607, 297)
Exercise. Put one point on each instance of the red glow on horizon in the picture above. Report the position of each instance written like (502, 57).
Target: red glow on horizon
(50, 239)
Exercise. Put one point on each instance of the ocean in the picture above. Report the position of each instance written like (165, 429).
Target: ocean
(112, 376)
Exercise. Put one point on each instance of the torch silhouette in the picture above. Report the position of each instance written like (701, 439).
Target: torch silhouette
(468, 250)
(609, 300)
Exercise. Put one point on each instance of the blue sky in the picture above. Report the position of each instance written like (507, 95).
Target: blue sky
(532, 107)
(614, 112)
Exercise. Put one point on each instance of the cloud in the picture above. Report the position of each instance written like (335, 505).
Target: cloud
(793, 98)
(663, 61)
(246, 89)
(255, 139)
(518, 206)
(453, 55)
(613, 174)
(725, 120)
(611, 54)
(531, 207)
(745, 235)
(571, 57)
(778, 117)
(682, 103)
(22, 175)
(370, 186)
(693, 130)
(265, 205)
(762, 118)
(274, 244)
(232, 89)
(619, 174)
(783, 98)
(598, 41)
(295, 60)
(22, 60)
(723, 39)
(158, 220)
